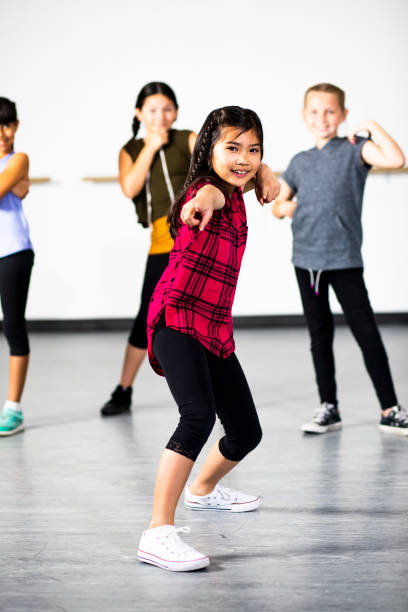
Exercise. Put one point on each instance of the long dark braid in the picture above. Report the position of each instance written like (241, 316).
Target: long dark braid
(201, 160)
(200, 166)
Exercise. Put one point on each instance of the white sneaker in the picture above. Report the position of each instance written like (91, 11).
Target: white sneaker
(162, 546)
(222, 498)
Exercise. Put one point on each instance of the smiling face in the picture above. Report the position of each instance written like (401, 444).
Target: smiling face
(323, 115)
(236, 158)
(7, 132)
(157, 113)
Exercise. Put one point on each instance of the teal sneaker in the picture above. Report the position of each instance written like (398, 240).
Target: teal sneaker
(11, 421)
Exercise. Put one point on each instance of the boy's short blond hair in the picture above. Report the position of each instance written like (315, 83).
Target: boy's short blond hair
(328, 88)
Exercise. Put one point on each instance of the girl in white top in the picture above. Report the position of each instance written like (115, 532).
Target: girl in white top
(16, 260)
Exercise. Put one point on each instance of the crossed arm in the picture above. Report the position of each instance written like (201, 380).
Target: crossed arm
(14, 177)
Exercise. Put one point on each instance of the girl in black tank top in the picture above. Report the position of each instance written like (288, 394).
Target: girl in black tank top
(152, 171)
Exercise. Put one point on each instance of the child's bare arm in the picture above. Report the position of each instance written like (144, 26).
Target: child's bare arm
(21, 188)
(283, 205)
(266, 185)
(132, 175)
(16, 169)
(207, 199)
(382, 151)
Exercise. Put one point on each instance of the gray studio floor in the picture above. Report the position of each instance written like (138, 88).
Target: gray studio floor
(76, 490)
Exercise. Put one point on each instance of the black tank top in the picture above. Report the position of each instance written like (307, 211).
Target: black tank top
(177, 154)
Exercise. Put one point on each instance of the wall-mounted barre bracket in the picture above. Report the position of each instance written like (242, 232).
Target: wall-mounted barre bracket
(101, 179)
(389, 170)
(39, 179)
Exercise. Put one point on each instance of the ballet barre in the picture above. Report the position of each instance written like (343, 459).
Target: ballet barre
(114, 179)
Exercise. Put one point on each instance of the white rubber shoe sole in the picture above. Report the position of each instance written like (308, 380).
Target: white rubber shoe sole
(397, 431)
(240, 507)
(13, 431)
(319, 429)
(173, 566)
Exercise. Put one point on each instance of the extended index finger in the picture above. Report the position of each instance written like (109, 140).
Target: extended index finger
(205, 217)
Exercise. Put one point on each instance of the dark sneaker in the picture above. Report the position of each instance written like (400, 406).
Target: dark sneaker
(119, 402)
(396, 422)
(326, 418)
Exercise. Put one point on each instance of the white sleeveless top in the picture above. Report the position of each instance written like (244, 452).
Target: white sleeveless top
(14, 233)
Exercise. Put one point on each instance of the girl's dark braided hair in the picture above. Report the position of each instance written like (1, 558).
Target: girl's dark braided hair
(152, 89)
(201, 168)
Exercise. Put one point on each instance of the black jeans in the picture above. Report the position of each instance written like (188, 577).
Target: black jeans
(351, 293)
(203, 386)
(155, 266)
(15, 273)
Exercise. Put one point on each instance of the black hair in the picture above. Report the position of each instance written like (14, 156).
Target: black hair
(244, 120)
(151, 89)
(8, 111)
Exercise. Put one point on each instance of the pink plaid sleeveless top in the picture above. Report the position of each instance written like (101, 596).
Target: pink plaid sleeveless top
(197, 289)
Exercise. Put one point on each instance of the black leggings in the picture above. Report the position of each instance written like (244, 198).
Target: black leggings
(203, 386)
(15, 272)
(155, 267)
(351, 292)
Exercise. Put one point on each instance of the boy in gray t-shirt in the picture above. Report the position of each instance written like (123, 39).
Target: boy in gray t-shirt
(328, 182)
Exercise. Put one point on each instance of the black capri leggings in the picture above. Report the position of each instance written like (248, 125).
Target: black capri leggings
(155, 267)
(15, 272)
(203, 386)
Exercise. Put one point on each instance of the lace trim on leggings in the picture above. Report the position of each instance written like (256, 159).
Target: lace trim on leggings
(182, 449)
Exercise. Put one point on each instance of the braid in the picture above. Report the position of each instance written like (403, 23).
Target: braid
(202, 156)
(200, 166)
(135, 126)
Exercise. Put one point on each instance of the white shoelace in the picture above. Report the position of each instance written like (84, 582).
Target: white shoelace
(226, 493)
(175, 540)
(184, 529)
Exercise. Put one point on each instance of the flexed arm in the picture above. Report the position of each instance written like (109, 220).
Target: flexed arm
(13, 174)
(382, 151)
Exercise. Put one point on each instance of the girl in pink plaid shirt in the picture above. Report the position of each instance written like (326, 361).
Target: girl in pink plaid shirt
(190, 338)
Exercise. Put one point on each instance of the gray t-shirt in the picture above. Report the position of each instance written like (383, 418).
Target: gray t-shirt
(329, 184)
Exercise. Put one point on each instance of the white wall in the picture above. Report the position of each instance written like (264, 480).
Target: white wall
(75, 68)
